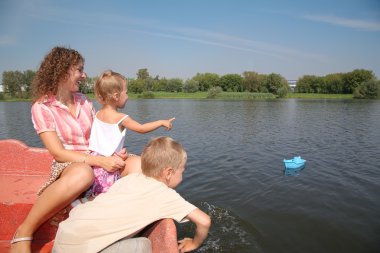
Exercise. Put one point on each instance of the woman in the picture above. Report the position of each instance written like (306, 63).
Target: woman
(62, 118)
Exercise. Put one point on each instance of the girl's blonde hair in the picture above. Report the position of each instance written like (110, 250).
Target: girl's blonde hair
(161, 153)
(107, 84)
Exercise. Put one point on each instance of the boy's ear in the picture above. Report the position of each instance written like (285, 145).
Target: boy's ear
(167, 173)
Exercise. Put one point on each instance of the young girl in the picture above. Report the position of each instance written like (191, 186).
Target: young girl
(109, 128)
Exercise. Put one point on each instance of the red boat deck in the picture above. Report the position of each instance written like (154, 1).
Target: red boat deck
(23, 170)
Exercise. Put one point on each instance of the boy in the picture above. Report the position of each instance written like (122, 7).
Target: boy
(134, 202)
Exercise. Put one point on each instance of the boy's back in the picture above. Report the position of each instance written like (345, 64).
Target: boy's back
(131, 204)
(134, 202)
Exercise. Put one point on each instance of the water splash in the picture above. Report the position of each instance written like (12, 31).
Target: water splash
(228, 232)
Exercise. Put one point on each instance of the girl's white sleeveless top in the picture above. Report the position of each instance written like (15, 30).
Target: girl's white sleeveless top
(106, 138)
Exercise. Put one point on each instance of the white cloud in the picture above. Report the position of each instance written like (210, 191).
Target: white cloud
(232, 42)
(351, 23)
(249, 45)
(191, 34)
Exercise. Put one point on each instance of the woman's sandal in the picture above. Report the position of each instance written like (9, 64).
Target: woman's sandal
(20, 239)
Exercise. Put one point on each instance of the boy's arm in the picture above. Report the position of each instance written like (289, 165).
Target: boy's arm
(133, 125)
(203, 223)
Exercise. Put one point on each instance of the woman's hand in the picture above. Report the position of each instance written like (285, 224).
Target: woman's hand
(123, 154)
(113, 163)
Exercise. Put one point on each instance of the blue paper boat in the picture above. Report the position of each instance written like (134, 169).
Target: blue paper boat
(296, 163)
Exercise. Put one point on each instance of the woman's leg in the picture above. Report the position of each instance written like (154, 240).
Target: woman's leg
(75, 179)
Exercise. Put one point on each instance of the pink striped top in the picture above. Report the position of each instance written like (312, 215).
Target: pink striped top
(52, 115)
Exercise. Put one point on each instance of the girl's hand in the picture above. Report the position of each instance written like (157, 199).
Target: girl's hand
(168, 123)
(113, 163)
(186, 245)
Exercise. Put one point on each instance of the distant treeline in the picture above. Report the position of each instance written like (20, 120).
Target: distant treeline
(360, 82)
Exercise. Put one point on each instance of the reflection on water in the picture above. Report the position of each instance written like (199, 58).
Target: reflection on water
(293, 172)
(235, 169)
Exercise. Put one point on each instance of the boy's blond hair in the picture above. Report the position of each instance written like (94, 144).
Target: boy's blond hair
(107, 84)
(160, 153)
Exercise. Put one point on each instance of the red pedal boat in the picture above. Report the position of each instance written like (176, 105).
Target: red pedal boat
(23, 170)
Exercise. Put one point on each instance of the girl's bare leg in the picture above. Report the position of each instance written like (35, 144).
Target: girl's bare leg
(75, 179)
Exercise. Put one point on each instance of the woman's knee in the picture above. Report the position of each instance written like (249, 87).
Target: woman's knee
(79, 175)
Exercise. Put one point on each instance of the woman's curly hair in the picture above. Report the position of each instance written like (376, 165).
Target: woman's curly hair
(54, 68)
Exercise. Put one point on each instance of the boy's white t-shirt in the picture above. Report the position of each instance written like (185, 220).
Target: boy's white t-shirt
(131, 204)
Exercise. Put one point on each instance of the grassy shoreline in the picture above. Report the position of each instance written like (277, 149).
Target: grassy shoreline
(238, 96)
(221, 96)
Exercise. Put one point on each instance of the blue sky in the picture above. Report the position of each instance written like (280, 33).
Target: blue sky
(173, 38)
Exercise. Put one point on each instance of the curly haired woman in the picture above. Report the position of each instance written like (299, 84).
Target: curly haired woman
(62, 118)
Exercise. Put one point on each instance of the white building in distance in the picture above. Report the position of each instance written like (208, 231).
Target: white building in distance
(292, 84)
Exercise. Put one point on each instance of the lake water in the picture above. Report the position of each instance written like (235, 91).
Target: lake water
(235, 171)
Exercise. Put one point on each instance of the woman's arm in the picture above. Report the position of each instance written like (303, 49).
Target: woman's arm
(133, 125)
(54, 145)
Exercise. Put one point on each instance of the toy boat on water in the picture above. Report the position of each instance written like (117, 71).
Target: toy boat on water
(296, 163)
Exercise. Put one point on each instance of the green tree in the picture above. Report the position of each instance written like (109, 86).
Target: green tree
(353, 79)
(214, 91)
(87, 86)
(305, 84)
(28, 80)
(136, 86)
(190, 86)
(174, 85)
(274, 82)
(262, 84)
(368, 89)
(148, 84)
(334, 83)
(142, 74)
(146, 95)
(251, 81)
(160, 85)
(231, 82)
(13, 82)
(323, 86)
(206, 80)
(282, 92)
(318, 85)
